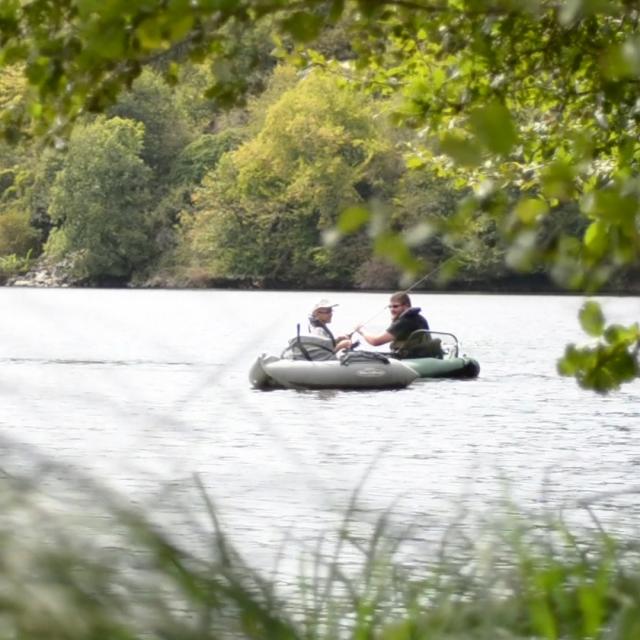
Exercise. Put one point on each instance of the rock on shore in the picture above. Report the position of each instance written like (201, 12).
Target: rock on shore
(44, 274)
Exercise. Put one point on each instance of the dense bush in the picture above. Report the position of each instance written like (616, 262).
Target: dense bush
(17, 236)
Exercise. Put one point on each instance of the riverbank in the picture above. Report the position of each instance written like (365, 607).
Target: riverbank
(46, 273)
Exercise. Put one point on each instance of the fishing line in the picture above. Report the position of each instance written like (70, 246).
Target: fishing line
(413, 286)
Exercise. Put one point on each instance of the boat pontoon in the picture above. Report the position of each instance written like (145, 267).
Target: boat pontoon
(308, 362)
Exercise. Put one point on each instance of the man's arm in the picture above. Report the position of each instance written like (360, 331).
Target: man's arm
(375, 341)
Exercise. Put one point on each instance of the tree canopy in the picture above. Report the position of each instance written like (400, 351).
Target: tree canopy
(317, 149)
(530, 106)
(99, 200)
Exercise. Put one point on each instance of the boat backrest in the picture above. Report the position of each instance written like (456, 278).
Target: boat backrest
(309, 348)
(422, 344)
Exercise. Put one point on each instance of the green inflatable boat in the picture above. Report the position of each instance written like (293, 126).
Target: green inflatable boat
(436, 354)
(308, 362)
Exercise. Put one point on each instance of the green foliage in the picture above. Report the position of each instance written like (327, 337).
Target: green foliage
(12, 100)
(21, 170)
(493, 127)
(100, 200)
(189, 93)
(202, 155)
(261, 214)
(498, 97)
(17, 236)
(58, 245)
(13, 265)
(7, 179)
(614, 360)
(439, 221)
(166, 132)
(102, 48)
(352, 219)
(246, 62)
(592, 319)
(37, 198)
(317, 143)
(285, 77)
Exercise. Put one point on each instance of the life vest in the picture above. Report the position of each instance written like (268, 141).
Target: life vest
(324, 332)
(413, 321)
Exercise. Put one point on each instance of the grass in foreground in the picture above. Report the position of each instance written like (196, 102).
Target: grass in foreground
(81, 566)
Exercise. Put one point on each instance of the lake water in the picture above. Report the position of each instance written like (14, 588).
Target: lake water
(146, 390)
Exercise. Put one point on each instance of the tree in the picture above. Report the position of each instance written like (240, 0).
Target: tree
(531, 102)
(166, 127)
(202, 155)
(100, 199)
(262, 214)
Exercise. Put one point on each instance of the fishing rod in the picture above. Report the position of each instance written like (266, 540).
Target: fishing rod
(413, 286)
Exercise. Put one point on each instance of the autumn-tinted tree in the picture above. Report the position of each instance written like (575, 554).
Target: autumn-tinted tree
(262, 214)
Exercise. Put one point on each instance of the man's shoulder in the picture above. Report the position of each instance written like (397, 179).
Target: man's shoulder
(409, 321)
(411, 312)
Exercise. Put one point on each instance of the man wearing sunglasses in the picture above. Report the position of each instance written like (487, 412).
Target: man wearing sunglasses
(321, 316)
(405, 319)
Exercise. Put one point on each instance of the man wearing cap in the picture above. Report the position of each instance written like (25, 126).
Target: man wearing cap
(321, 316)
